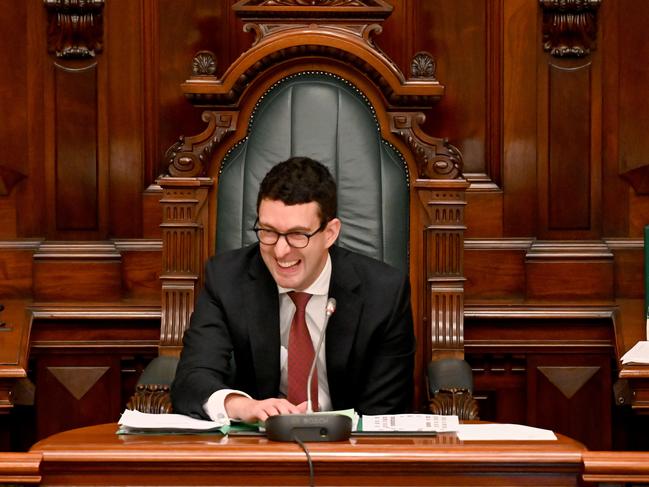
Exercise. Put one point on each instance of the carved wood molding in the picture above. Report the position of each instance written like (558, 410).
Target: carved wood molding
(313, 9)
(443, 239)
(188, 156)
(569, 27)
(75, 28)
(201, 94)
(184, 218)
(436, 158)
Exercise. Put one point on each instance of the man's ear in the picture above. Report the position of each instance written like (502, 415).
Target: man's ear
(331, 231)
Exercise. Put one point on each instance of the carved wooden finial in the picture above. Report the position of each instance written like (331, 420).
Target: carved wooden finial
(204, 64)
(423, 66)
(75, 28)
(569, 26)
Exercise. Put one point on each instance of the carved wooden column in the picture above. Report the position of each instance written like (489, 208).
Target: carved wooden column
(185, 210)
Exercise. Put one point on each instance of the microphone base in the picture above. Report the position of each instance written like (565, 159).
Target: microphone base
(309, 427)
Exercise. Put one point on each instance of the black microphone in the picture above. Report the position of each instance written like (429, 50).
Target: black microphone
(309, 426)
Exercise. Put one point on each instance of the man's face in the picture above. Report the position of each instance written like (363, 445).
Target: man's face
(290, 267)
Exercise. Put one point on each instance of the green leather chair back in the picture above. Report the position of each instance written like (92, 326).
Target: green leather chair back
(322, 116)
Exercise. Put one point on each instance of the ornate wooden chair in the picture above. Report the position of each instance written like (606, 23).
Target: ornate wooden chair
(315, 84)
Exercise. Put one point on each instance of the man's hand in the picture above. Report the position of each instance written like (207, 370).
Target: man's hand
(252, 410)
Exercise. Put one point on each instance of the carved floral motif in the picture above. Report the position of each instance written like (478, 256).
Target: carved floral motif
(569, 27)
(75, 27)
(204, 64)
(422, 66)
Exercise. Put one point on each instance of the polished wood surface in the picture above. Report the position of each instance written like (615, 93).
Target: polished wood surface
(638, 378)
(97, 456)
(20, 468)
(608, 468)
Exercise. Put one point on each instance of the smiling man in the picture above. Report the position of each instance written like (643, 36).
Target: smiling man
(253, 333)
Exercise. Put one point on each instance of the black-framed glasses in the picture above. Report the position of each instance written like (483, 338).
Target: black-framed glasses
(297, 240)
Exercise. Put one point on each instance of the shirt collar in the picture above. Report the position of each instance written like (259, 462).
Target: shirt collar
(320, 286)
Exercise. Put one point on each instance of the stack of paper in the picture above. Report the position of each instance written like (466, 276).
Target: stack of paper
(638, 355)
(137, 422)
(502, 432)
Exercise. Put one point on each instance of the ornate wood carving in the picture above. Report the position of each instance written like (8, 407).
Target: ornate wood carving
(423, 66)
(151, 398)
(184, 251)
(458, 402)
(569, 26)
(436, 158)
(188, 156)
(204, 64)
(444, 202)
(75, 28)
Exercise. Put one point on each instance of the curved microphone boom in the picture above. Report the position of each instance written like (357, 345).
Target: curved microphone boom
(311, 426)
(329, 310)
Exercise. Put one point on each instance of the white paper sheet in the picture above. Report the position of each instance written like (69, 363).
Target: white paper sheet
(638, 355)
(504, 432)
(135, 420)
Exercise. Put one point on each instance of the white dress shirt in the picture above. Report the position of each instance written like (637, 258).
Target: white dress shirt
(315, 319)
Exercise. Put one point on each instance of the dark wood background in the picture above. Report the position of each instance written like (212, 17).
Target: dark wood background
(555, 149)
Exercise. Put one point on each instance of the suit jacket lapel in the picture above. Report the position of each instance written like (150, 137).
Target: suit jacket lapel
(262, 318)
(343, 323)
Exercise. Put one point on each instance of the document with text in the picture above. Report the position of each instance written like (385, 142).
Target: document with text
(410, 422)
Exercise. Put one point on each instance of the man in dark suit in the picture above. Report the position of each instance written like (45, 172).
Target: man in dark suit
(236, 359)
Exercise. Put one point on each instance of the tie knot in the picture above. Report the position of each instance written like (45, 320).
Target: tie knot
(300, 299)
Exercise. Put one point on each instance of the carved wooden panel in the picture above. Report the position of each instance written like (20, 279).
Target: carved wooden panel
(572, 395)
(76, 159)
(569, 167)
(72, 391)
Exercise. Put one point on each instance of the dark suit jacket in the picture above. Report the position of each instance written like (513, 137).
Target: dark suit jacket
(370, 341)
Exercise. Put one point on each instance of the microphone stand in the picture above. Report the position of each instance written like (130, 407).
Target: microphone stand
(310, 426)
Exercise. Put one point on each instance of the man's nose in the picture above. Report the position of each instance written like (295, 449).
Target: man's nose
(281, 246)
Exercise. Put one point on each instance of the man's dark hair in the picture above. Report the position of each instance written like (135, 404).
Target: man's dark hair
(300, 180)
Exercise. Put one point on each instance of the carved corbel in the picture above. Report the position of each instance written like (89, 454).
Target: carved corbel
(436, 158)
(75, 28)
(188, 156)
(569, 26)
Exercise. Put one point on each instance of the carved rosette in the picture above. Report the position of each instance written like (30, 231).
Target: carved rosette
(189, 155)
(436, 158)
(75, 28)
(204, 64)
(569, 26)
(423, 66)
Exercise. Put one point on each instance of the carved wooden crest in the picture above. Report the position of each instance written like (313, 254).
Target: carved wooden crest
(569, 27)
(75, 28)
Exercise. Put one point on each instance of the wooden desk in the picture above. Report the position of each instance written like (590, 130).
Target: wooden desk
(638, 377)
(97, 456)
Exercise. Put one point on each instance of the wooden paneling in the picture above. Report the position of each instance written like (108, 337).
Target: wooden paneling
(76, 180)
(521, 47)
(455, 33)
(569, 172)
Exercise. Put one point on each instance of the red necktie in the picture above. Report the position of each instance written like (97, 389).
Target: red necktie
(300, 354)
